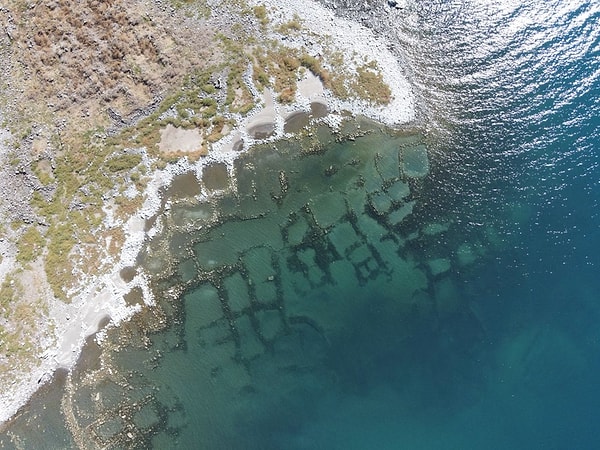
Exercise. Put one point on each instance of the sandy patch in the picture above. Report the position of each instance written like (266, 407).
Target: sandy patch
(262, 124)
(311, 87)
(173, 139)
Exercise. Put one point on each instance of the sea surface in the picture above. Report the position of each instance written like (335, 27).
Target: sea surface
(433, 287)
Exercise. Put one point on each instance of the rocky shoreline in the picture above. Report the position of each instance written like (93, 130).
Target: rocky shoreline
(103, 297)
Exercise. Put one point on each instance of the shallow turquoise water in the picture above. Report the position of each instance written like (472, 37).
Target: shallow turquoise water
(324, 280)
(358, 294)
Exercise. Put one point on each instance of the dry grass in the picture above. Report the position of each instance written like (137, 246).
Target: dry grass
(21, 321)
(115, 238)
(126, 207)
(369, 85)
(30, 245)
(79, 58)
(290, 27)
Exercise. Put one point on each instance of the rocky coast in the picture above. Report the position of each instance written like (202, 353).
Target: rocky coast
(57, 329)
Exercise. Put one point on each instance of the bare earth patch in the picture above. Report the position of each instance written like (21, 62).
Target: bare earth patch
(173, 139)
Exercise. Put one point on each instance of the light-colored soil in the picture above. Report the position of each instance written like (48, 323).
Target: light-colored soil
(173, 139)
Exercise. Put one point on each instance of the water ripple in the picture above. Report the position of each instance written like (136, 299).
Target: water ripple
(511, 100)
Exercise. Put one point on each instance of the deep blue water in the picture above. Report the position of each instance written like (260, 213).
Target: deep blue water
(279, 344)
(522, 83)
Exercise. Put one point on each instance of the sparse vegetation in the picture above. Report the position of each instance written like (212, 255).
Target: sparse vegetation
(123, 162)
(314, 65)
(30, 245)
(8, 291)
(126, 207)
(260, 12)
(370, 85)
(239, 99)
(43, 171)
(292, 26)
(17, 337)
(59, 269)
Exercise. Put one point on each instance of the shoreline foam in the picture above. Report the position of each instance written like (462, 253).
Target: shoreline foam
(103, 297)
